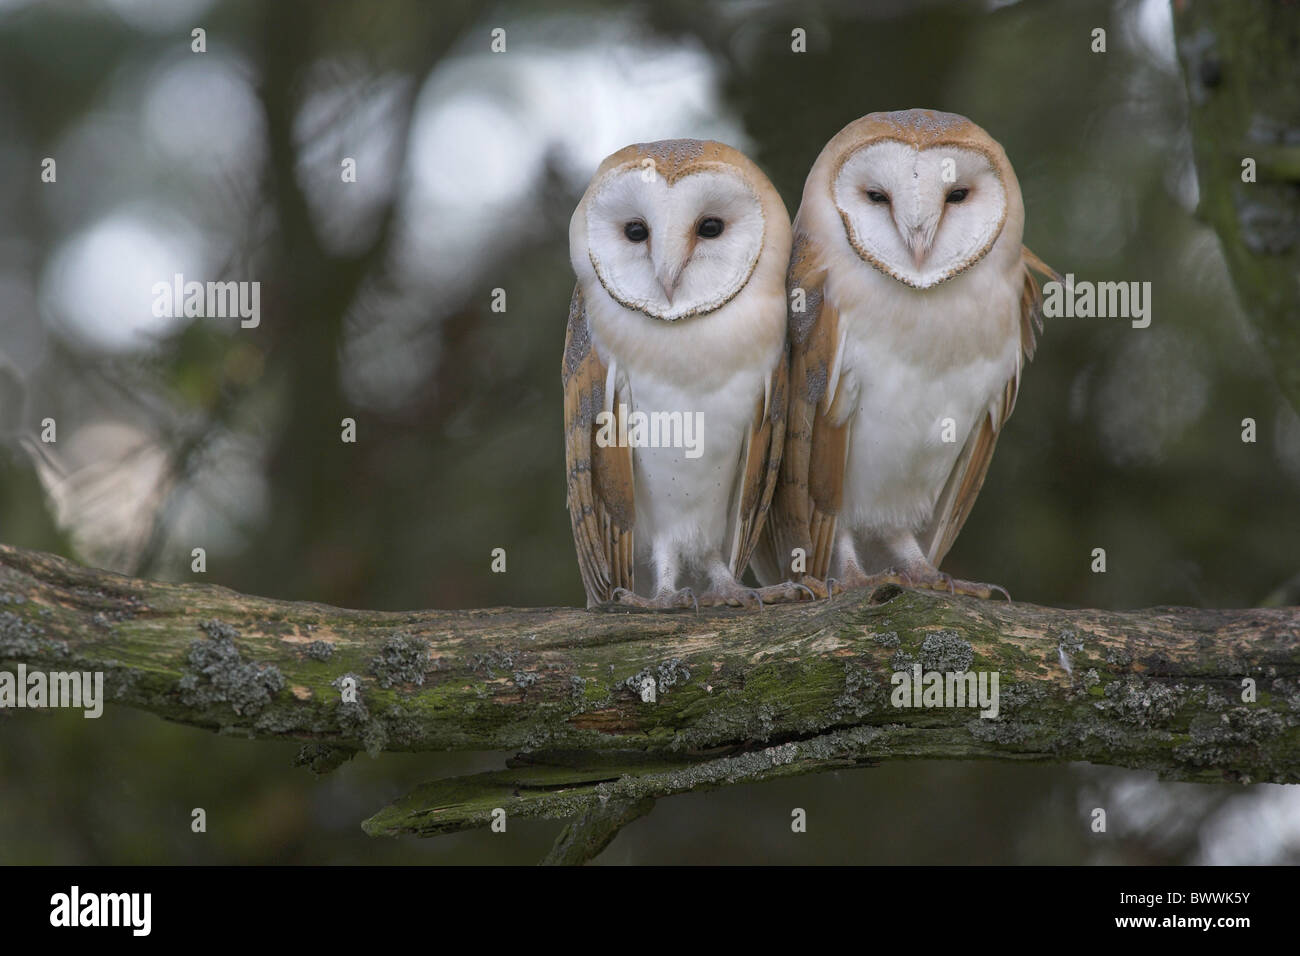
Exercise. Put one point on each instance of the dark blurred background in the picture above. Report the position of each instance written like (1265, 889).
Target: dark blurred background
(376, 304)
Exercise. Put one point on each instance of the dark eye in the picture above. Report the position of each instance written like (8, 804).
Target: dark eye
(636, 231)
(875, 195)
(957, 195)
(709, 228)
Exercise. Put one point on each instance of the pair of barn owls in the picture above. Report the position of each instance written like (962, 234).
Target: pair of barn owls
(823, 401)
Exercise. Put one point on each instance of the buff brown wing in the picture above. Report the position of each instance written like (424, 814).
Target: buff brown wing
(808, 496)
(600, 488)
(761, 466)
(967, 476)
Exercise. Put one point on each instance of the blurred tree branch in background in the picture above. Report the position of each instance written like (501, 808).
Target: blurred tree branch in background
(612, 710)
(1240, 62)
(314, 288)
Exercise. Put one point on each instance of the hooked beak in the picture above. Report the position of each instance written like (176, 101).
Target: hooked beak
(917, 232)
(667, 279)
(668, 271)
(918, 243)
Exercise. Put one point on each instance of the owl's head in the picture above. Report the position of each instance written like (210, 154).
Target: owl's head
(922, 196)
(675, 228)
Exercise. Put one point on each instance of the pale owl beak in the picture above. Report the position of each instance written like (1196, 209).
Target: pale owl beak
(668, 272)
(667, 279)
(918, 241)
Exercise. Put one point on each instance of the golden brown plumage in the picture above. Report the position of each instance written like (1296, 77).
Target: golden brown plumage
(602, 508)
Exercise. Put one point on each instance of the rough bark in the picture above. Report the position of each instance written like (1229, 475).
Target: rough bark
(740, 696)
(1243, 84)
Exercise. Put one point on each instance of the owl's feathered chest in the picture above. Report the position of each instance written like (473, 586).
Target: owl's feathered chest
(713, 370)
(917, 371)
(970, 318)
(699, 354)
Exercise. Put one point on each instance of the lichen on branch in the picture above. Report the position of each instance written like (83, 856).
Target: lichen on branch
(628, 706)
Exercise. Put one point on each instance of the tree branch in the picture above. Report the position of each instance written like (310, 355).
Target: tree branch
(740, 695)
(584, 838)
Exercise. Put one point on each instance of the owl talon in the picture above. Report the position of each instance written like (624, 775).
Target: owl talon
(996, 588)
(807, 588)
(788, 592)
(936, 580)
(663, 601)
(855, 578)
(734, 595)
(977, 589)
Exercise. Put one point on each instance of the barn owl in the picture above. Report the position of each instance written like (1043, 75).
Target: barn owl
(912, 310)
(674, 374)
